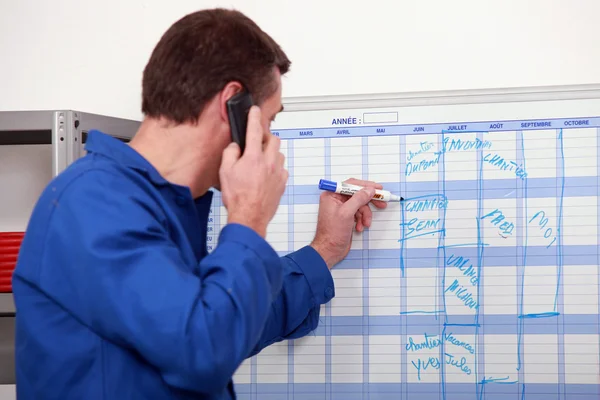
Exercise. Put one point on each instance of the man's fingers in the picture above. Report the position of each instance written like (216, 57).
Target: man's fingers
(360, 182)
(254, 132)
(379, 204)
(367, 215)
(230, 155)
(272, 149)
(359, 223)
(280, 159)
(359, 199)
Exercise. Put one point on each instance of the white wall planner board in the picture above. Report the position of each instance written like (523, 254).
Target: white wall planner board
(482, 284)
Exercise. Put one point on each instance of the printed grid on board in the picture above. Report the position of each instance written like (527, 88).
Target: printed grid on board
(482, 284)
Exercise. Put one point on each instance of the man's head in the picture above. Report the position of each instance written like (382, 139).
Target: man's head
(204, 59)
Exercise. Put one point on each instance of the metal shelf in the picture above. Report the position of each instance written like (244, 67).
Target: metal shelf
(66, 131)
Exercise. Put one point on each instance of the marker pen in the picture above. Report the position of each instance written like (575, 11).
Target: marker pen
(349, 189)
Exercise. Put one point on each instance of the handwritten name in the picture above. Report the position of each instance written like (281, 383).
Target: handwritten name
(417, 225)
(463, 294)
(506, 228)
(434, 363)
(422, 165)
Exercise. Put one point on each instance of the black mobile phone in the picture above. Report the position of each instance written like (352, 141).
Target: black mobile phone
(238, 107)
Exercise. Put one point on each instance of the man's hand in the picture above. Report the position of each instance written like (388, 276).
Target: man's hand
(339, 215)
(252, 185)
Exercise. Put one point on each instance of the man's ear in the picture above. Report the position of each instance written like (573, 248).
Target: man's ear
(230, 90)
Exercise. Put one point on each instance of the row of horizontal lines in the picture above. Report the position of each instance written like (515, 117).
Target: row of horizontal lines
(577, 227)
(500, 352)
(499, 295)
(347, 359)
(495, 189)
(580, 159)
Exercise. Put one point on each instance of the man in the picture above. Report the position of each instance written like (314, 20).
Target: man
(115, 293)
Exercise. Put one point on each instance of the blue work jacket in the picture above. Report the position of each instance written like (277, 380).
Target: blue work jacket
(117, 297)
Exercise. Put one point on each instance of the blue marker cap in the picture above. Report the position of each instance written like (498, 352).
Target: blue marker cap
(324, 184)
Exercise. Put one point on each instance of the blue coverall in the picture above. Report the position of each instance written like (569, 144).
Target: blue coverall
(117, 297)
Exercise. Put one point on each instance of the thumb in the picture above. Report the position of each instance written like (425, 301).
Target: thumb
(359, 199)
(230, 155)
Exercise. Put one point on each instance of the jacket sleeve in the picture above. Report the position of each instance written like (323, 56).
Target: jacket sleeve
(307, 284)
(127, 281)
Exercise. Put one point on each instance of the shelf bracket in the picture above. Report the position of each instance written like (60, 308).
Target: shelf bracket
(66, 140)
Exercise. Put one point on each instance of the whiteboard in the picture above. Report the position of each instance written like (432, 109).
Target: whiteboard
(482, 284)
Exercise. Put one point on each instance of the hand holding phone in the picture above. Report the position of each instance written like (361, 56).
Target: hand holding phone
(252, 185)
(238, 107)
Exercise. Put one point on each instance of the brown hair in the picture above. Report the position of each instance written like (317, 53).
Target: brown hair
(202, 52)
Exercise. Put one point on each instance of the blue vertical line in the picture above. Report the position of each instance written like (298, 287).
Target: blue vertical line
(253, 378)
(598, 220)
(328, 305)
(403, 317)
(523, 265)
(290, 202)
(560, 175)
(520, 231)
(365, 279)
(327, 158)
(253, 385)
(558, 298)
(440, 304)
(479, 342)
(442, 241)
(211, 227)
(402, 235)
(437, 290)
(402, 178)
(439, 263)
(216, 218)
